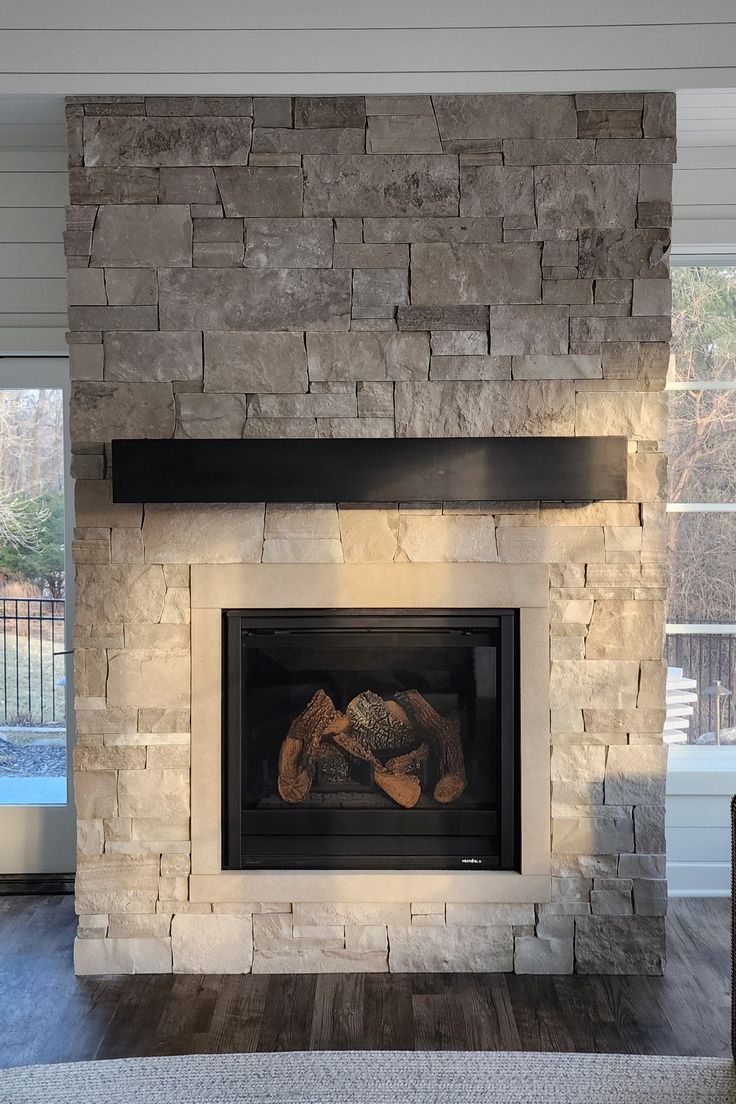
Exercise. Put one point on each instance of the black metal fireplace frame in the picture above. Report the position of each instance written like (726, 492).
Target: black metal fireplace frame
(506, 820)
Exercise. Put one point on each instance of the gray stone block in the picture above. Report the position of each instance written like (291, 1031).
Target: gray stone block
(117, 185)
(636, 774)
(378, 291)
(609, 123)
(470, 368)
(217, 255)
(649, 829)
(375, 400)
(660, 119)
(85, 286)
(330, 404)
(223, 106)
(367, 356)
(403, 134)
(142, 237)
(329, 111)
(652, 297)
(399, 105)
(355, 427)
(586, 195)
(272, 111)
(381, 185)
(113, 318)
(445, 274)
(650, 897)
(288, 243)
(543, 366)
(281, 140)
(454, 949)
(536, 329)
(536, 955)
(371, 256)
(479, 409)
(505, 116)
(211, 415)
(645, 151)
(244, 363)
(142, 140)
(189, 185)
(131, 357)
(459, 343)
(280, 427)
(624, 253)
(261, 191)
(217, 230)
(433, 230)
(619, 945)
(130, 286)
(266, 299)
(443, 318)
(103, 411)
(609, 101)
(548, 151)
(498, 191)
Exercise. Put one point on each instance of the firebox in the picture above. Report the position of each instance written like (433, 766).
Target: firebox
(367, 739)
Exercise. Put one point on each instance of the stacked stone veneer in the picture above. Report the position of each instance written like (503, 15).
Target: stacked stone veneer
(453, 265)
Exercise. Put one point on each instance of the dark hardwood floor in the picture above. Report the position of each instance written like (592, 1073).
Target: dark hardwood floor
(46, 1015)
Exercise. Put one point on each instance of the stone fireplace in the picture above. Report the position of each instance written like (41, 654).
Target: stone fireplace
(376, 267)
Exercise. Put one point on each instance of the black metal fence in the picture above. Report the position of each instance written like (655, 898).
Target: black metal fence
(32, 683)
(706, 657)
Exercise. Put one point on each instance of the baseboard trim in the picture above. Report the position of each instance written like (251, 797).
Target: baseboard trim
(35, 884)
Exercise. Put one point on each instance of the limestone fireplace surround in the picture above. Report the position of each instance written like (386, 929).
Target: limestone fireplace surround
(369, 266)
(216, 587)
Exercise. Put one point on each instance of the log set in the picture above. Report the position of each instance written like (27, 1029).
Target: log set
(371, 727)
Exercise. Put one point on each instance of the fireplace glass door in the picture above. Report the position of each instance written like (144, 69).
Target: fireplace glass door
(371, 739)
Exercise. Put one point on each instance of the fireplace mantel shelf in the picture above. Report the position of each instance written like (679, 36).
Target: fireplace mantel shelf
(553, 469)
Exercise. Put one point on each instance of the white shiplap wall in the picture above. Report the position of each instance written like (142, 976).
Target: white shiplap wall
(33, 193)
(49, 48)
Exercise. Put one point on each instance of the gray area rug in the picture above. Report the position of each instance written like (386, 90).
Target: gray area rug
(373, 1077)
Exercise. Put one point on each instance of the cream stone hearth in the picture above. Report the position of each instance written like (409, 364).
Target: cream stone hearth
(216, 587)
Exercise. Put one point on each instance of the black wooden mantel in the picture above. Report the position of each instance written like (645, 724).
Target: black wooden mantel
(407, 469)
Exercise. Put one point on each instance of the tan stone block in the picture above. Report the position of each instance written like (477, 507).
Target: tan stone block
(160, 828)
(592, 835)
(488, 915)
(175, 866)
(318, 960)
(566, 647)
(90, 672)
(566, 719)
(119, 592)
(161, 637)
(452, 949)
(117, 829)
(211, 944)
(327, 936)
(154, 793)
(559, 544)
(203, 534)
(301, 521)
(350, 913)
(95, 795)
(369, 534)
(144, 677)
(576, 611)
(98, 636)
(117, 883)
(127, 546)
(109, 758)
(163, 720)
(173, 888)
(176, 575)
(91, 551)
(164, 756)
(636, 775)
(427, 920)
(122, 956)
(624, 720)
(622, 540)
(93, 505)
(626, 630)
(609, 684)
(366, 937)
(302, 550)
(577, 773)
(641, 415)
(139, 926)
(176, 609)
(446, 539)
(428, 907)
(90, 837)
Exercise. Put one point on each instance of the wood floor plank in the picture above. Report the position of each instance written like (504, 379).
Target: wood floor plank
(48, 1015)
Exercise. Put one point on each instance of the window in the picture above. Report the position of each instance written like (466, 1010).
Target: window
(702, 495)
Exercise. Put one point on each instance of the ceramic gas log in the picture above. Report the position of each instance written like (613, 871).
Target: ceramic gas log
(407, 726)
